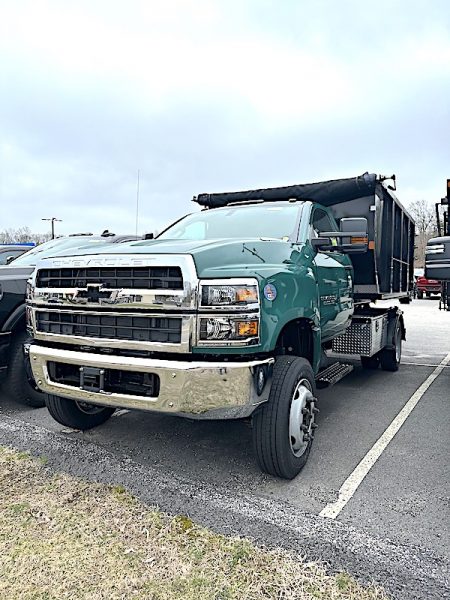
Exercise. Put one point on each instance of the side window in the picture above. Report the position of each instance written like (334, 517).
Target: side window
(321, 222)
(4, 255)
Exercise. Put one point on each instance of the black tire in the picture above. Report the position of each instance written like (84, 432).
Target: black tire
(420, 295)
(428, 294)
(77, 415)
(390, 359)
(405, 300)
(370, 362)
(272, 441)
(16, 384)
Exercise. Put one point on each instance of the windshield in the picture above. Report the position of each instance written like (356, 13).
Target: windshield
(31, 257)
(255, 221)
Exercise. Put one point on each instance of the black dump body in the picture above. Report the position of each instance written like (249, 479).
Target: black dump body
(386, 270)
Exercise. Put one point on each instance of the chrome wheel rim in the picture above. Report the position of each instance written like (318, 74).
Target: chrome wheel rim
(301, 418)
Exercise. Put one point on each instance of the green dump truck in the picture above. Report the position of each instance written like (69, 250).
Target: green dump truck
(239, 310)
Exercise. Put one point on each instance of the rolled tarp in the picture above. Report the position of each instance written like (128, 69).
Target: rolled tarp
(325, 192)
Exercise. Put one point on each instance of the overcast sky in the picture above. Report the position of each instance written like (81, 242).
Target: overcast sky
(204, 96)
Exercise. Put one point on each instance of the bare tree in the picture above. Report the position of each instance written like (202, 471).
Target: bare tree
(22, 234)
(425, 218)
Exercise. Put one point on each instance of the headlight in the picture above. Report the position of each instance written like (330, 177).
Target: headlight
(229, 312)
(237, 295)
(229, 329)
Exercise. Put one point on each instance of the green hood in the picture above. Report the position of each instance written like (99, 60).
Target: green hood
(213, 258)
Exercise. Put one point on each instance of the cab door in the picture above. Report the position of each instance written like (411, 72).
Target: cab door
(334, 276)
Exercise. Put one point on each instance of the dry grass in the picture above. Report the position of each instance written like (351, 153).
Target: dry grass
(64, 538)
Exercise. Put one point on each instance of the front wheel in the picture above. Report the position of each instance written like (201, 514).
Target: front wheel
(420, 295)
(283, 428)
(78, 415)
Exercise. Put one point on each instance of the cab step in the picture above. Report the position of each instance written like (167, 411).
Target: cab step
(332, 374)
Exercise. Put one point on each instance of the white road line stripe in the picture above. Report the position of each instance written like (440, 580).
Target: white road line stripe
(416, 364)
(353, 481)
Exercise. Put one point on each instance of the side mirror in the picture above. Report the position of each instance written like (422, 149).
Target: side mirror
(149, 236)
(322, 243)
(356, 230)
(9, 259)
(356, 236)
(351, 224)
(352, 237)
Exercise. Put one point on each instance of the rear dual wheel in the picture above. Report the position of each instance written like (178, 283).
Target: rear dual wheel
(389, 359)
(283, 428)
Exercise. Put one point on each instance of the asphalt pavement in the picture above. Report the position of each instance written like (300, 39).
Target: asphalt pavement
(394, 525)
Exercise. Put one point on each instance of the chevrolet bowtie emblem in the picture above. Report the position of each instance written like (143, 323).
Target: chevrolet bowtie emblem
(94, 293)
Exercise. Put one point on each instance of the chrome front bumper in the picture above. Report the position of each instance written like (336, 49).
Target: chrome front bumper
(201, 390)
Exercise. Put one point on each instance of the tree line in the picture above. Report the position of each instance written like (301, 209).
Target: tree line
(21, 235)
(424, 215)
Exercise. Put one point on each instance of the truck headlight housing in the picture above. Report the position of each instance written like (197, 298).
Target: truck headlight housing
(229, 329)
(229, 312)
(217, 295)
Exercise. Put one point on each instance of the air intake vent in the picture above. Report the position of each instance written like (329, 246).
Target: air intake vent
(136, 328)
(137, 278)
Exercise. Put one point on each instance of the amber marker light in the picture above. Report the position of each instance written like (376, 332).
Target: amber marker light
(246, 328)
(247, 294)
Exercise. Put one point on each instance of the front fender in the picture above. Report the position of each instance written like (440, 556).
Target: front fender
(296, 299)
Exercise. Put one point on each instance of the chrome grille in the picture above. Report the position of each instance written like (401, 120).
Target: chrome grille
(114, 327)
(143, 278)
(116, 301)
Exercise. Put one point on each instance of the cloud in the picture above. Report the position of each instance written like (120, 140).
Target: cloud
(206, 96)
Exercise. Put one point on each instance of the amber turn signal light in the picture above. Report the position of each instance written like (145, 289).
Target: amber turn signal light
(358, 240)
(247, 294)
(245, 328)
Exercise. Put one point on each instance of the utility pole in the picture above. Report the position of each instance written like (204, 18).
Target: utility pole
(53, 219)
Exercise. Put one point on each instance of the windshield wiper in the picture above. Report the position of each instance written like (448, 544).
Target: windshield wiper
(244, 247)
